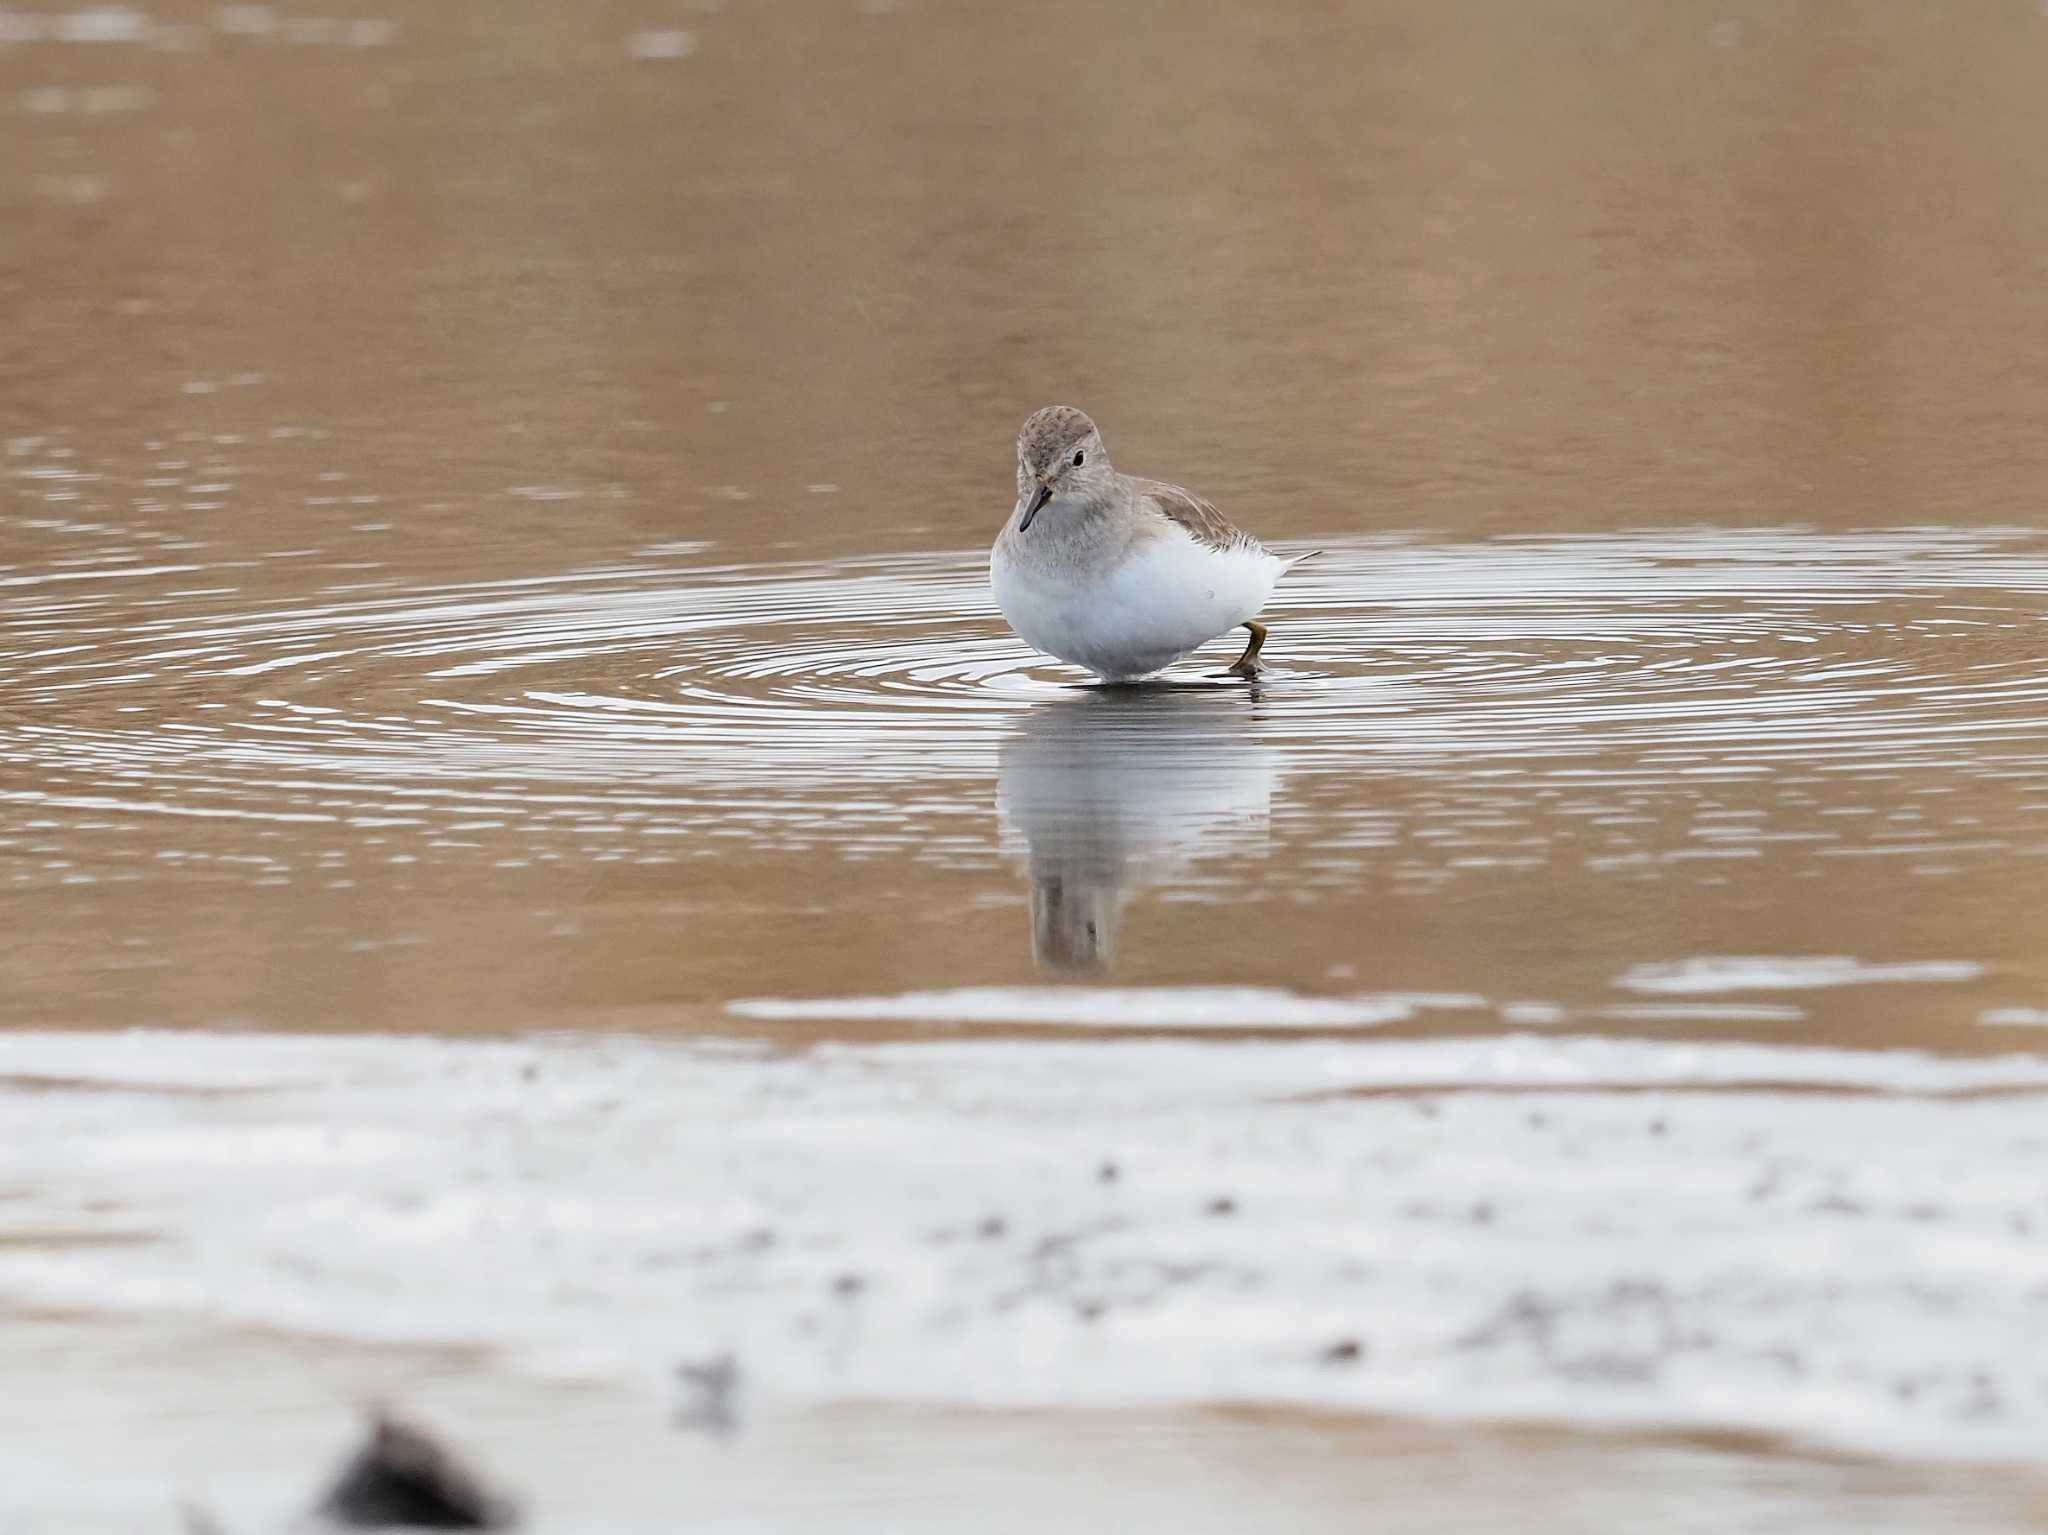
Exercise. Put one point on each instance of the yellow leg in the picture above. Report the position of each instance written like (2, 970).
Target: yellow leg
(1247, 665)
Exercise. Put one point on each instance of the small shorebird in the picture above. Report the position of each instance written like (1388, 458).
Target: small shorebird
(1121, 575)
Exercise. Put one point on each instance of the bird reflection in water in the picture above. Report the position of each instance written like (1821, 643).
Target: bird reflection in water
(1117, 787)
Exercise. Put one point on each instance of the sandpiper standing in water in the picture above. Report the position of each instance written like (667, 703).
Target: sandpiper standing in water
(1121, 575)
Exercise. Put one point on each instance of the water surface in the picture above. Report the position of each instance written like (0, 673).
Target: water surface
(497, 679)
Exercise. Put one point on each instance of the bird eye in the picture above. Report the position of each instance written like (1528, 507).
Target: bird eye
(1077, 459)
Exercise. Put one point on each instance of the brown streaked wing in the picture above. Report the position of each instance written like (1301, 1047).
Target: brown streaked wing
(1206, 524)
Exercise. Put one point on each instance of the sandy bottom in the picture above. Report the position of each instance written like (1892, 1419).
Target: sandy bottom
(115, 1429)
(1156, 1274)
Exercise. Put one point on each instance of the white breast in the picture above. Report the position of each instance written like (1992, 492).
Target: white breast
(1141, 613)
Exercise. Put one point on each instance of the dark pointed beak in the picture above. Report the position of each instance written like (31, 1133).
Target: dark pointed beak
(1037, 503)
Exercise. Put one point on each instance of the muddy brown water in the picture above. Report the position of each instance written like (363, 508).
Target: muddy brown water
(493, 501)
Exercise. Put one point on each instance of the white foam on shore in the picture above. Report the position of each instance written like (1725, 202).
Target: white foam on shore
(1767, 973)
(2014, 1017)
(1605, 1231)
(1111, 1007)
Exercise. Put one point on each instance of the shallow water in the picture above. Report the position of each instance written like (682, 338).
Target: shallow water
(492, 523)
(1782, 747)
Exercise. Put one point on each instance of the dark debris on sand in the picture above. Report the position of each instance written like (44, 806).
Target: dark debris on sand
(403, 1478)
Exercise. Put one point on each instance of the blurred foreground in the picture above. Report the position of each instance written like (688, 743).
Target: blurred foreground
(492, 501)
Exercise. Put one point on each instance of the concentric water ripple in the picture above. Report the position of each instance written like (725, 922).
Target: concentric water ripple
(796, 698)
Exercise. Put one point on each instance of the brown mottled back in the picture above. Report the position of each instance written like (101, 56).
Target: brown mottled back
(1187, 510)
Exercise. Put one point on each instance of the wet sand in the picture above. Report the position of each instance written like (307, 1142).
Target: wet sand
(492, 512)
(603, 1463)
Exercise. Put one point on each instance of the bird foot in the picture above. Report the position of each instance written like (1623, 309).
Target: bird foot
(1247, 665)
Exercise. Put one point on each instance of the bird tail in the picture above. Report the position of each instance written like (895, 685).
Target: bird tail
(1303, 559)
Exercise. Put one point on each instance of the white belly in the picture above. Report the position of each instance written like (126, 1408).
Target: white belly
(1141, 614)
